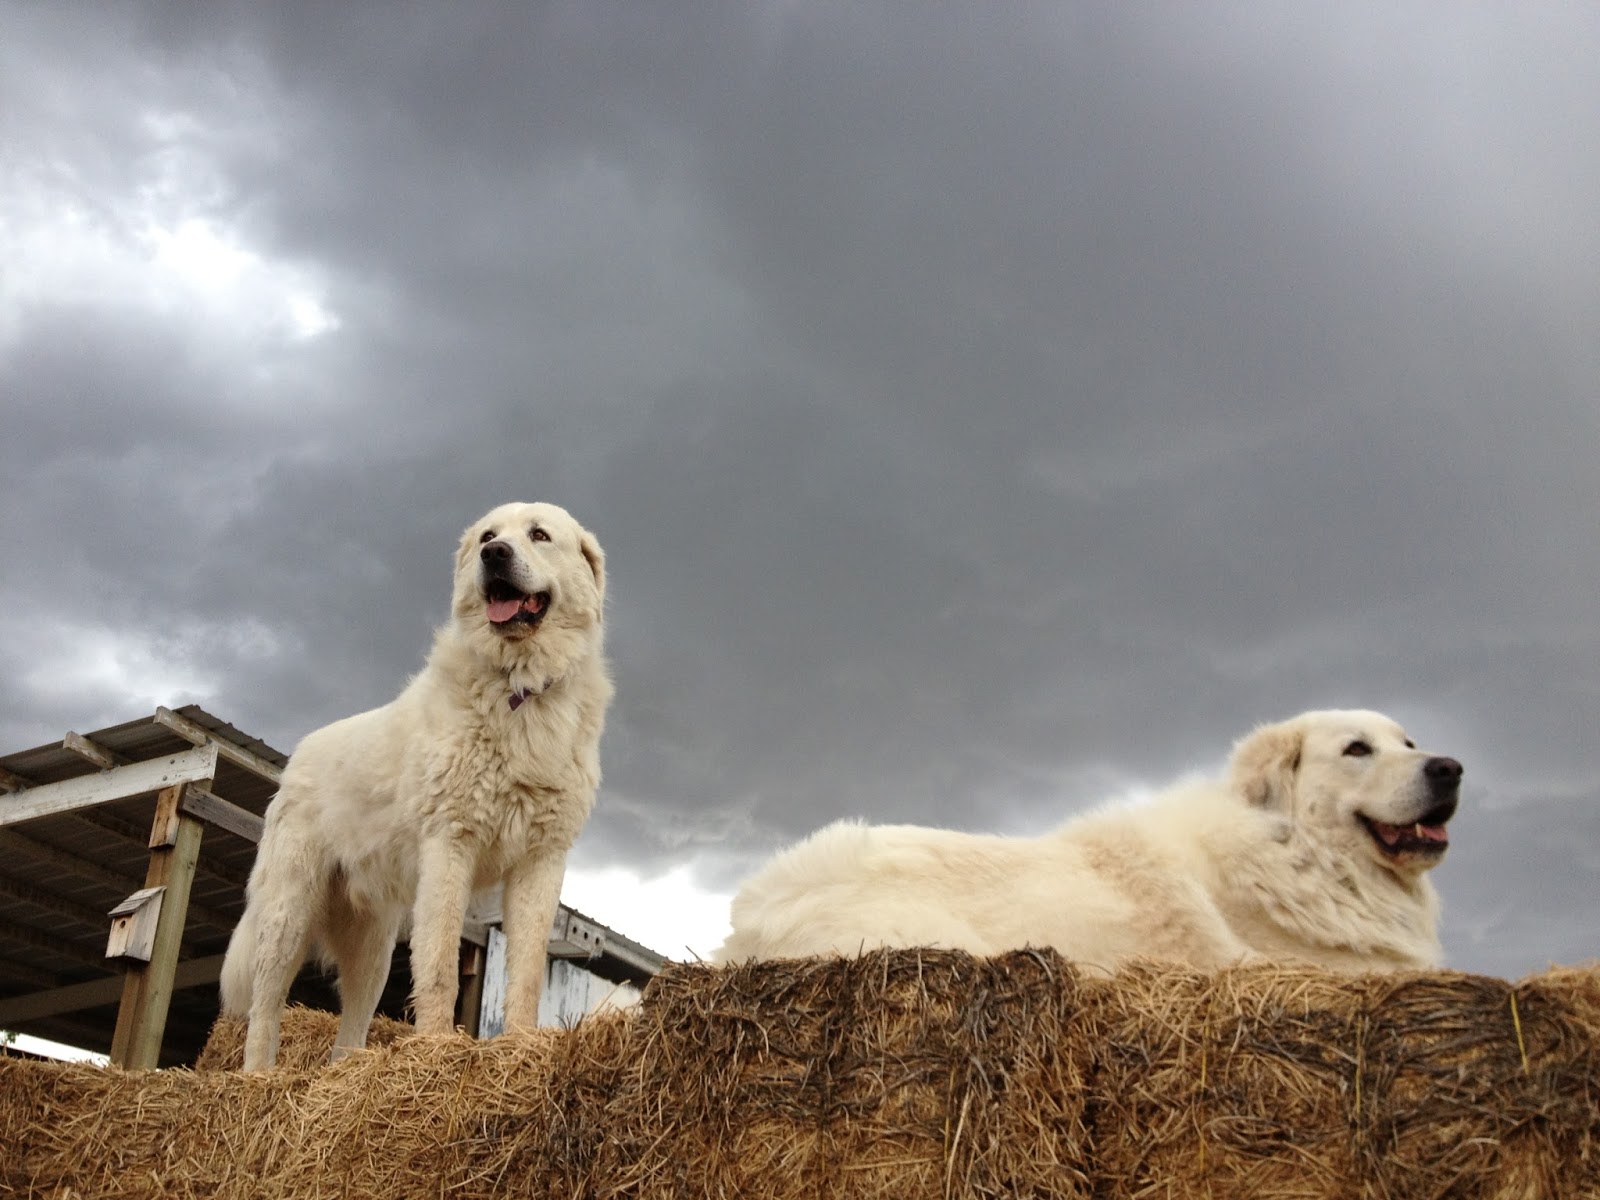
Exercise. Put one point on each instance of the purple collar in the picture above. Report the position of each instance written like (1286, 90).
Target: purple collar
(515, 700)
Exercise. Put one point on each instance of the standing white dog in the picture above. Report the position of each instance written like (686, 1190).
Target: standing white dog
(1313, 849)
(484, 769)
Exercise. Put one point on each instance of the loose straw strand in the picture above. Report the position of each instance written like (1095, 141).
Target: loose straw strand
(1516, 1021)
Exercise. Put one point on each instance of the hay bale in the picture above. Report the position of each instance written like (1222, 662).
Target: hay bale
(306, 1040)
(897, 1074)
(1471, 1086)
(1292, 1082)
(1231, 1084)
(425, 1116)
(906, 1074)
(73, 1130)
(450, 1116)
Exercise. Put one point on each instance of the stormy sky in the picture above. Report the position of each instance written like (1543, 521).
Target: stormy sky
(987, 410)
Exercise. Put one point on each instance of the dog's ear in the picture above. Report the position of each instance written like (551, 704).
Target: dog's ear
(597, 559)
(1265, 762)
(464, 552)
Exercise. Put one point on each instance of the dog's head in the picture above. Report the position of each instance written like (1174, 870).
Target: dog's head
(523, 569)
(1352, 779)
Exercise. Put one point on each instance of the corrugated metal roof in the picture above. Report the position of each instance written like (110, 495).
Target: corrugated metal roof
(137, 741)
(60, 875)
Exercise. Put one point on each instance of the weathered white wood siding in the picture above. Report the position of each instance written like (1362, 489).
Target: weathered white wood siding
(570, 991)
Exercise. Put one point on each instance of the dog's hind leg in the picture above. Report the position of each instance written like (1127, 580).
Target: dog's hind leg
(361, 945)
(239, 966)
(287, 904)
(283, 936)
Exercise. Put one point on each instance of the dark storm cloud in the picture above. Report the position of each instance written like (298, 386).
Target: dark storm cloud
(985, 409)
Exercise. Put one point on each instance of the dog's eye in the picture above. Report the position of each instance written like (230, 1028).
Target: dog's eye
(538, 534)
(1358, 749)
(488, 536)
(1410, 745)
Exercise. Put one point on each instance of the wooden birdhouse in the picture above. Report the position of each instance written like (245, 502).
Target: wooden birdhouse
(133, 925)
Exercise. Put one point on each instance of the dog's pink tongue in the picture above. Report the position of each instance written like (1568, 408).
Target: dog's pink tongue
(1423, 833)
(503, 610)
(1390, 833)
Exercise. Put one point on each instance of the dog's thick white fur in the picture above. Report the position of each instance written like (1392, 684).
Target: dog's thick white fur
(1313, 848)
(483, 770)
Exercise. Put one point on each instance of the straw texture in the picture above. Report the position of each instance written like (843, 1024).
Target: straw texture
(899, 1074)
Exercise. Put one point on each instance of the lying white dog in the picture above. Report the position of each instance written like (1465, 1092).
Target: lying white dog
(483, 770)
(1313, 849)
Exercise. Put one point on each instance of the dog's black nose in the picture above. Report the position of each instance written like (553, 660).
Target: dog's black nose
(497, 552)
(1442, 773)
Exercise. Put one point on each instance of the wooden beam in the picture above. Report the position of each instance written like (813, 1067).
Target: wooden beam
(224, 814)
(70, 864)
(13, 971)
(164, 825)
(241, 824)
(469, 1002)
(119, 826)
(147, 987)
(201, 736)
(56, 906)
(94, 752)
(96, 993)
(57, 946)
(119, 783)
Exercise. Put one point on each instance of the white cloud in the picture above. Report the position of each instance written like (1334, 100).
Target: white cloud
(669, 913)
(165, 245)
(131, 669)
(197, 267)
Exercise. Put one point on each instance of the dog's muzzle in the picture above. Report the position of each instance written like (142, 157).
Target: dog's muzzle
(1426, 836)
(506, 604)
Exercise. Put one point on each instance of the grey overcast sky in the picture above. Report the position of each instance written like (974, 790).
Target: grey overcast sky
(988, 410)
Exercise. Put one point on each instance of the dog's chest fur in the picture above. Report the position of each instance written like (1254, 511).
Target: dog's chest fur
(514, 782)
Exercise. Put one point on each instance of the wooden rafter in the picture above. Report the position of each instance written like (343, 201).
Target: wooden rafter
(119, 783)
(59, 906)
(196, 972)
(224, 814)
(56, 946)
(93, 751)
(201, 736)
(71, 864)
(131, 833)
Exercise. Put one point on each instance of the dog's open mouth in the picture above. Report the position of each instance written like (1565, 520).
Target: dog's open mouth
(1426, 835)
(508, 606)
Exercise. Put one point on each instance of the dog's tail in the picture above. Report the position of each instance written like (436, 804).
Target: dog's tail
(238, 966)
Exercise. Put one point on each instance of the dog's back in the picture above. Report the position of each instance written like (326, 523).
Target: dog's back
(852, 887)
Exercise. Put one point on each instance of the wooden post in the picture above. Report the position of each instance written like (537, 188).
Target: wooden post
(470, 1006)
(147, 987)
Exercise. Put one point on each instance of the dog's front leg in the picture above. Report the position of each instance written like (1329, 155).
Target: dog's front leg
(444, 885)
(532, 894)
